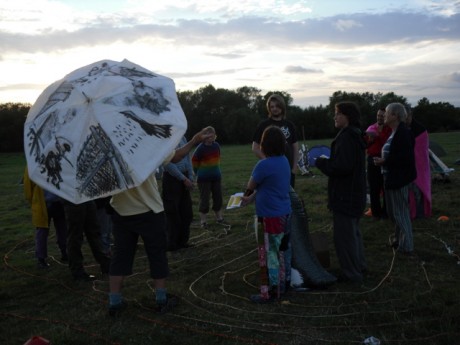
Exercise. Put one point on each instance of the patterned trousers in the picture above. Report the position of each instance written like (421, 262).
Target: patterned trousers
(274, 251)
(397, 202)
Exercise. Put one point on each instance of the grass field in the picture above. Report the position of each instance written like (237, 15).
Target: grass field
(402, 300)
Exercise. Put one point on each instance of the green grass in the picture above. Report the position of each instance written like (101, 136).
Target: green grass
(402, 301)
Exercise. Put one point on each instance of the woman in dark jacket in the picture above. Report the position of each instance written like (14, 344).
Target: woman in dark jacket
(398, 168)
(347, 189)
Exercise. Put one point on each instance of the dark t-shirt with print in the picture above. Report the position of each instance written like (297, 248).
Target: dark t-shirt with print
(288, 129)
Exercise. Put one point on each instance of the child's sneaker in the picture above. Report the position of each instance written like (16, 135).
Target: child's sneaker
(204, 225)
(168, 305)
(222, 222)
(259, 299)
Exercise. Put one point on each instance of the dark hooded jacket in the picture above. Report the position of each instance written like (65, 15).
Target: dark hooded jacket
(346, 171)
(400, 162)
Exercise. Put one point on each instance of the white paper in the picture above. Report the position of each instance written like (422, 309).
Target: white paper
(234, 201)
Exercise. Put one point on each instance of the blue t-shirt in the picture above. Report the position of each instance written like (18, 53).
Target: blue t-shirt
(273, 177)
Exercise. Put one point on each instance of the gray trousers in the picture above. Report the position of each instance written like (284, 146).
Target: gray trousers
(398, 210)
(349, 246)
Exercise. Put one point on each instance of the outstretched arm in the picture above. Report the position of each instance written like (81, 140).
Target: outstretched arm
(257, 151)
(250, 193)
(184, 150)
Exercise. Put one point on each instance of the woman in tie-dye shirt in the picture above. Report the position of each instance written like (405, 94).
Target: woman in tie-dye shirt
(206, 165)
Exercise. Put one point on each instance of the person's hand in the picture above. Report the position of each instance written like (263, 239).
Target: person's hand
(379, 161)
(246, 200)
(188, 184)
(370, 136)
(201, 136)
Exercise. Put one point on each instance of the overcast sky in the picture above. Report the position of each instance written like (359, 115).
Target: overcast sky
(307, 48)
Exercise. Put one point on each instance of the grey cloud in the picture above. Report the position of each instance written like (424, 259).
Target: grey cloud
(444, 6)
(26, 86)
(339, 31)
(205, 73)
(227, 55)
(343, 59)
(302, 70)
(454, 77)
(344, 25)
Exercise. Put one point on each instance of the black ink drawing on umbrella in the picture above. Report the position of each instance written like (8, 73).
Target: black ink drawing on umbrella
(90, 139)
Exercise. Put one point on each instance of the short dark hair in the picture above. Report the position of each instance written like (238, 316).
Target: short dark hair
(351, 111)
(273, 142)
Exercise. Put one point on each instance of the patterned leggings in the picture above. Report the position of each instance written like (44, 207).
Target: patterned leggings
(274, 251)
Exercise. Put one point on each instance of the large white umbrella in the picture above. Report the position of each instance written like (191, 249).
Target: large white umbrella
(102, 129)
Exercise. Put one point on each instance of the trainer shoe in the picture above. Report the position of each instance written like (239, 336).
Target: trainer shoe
(168, 305)
(259, 299)
(84, 277)
(41, 263)
(222, 222)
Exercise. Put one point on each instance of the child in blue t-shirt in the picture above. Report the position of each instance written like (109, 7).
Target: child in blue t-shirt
(269, 186)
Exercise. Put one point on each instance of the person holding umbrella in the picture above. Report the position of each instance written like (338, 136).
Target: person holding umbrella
(82, 220)
(102, 130)
(139, 212)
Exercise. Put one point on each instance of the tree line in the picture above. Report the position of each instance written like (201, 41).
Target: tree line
(235, 114)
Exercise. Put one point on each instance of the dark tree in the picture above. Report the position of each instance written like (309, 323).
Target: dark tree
(12, 118)
(235, 114)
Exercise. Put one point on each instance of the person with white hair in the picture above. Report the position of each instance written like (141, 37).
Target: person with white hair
(398, 168)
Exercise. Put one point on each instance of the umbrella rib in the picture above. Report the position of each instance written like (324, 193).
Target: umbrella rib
(88, 99)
